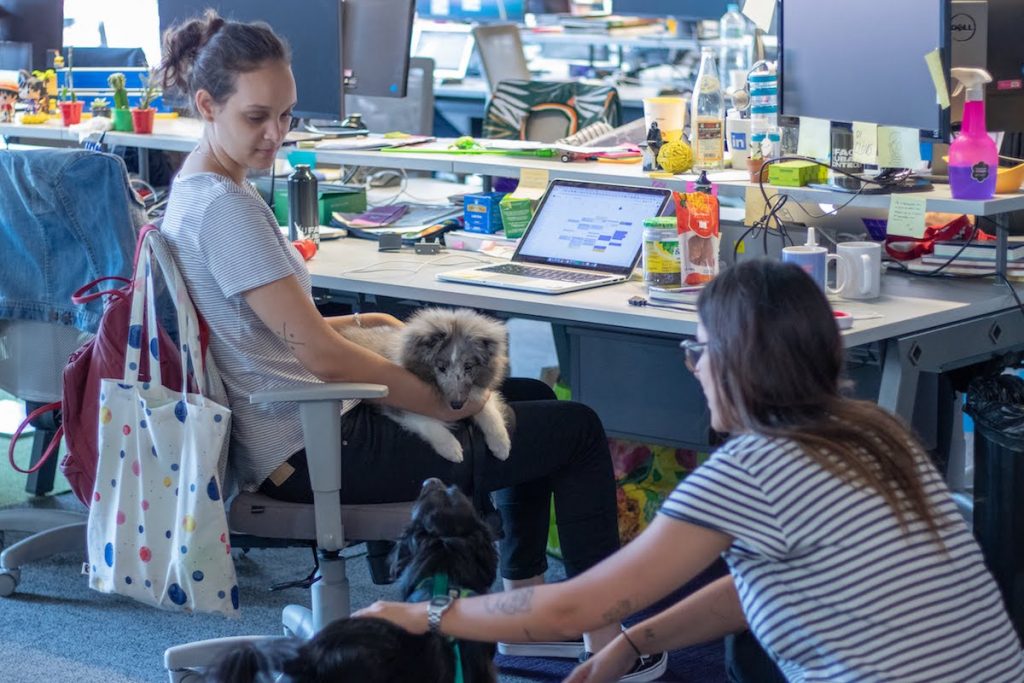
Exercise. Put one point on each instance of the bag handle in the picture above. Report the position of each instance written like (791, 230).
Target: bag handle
(50, 448)
(80, 296)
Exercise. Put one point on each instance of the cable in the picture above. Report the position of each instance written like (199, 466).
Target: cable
(643, 302)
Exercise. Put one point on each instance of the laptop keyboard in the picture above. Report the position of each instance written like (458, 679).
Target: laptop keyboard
(543, 273)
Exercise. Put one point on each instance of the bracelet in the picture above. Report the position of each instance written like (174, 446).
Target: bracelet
(358, 321)
(631, 643)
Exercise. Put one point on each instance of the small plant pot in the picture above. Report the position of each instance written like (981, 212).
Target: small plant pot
(101, 112)
(71, 113)
(757, 170)
(123, 120)
(143, 120)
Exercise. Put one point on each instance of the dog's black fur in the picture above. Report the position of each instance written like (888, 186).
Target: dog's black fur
(444, 535)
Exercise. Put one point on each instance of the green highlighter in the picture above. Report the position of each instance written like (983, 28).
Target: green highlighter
(545, 153)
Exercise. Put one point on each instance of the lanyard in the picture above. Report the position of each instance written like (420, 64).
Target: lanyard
(440, 587)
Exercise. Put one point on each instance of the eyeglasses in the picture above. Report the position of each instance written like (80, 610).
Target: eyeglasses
(694, 350)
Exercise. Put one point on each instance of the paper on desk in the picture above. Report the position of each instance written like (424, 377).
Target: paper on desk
(514, 145)
(899, 147)
(865, 143)
(815, 138)
(906, 216)
(760, 12)
(934, 61)
(755, 207)
(533, 183)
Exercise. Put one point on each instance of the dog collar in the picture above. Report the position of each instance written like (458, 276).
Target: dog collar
(436, 585)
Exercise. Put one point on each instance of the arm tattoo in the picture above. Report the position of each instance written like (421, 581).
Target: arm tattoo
(618, 611)
(512, 602)
(289, 337)
(649, 634)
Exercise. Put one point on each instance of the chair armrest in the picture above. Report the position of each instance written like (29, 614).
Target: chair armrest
(319, 391)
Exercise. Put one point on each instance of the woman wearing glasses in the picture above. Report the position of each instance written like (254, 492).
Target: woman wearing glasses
(847, 556)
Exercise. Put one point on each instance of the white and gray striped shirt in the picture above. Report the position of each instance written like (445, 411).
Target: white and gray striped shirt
(226, 242)
(831, 585)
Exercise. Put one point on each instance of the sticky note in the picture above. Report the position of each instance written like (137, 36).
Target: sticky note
(815, 138)
(865, 143)
(760, 12)
(934, 61)
(533, 182)
(906, 216)
(899, 147)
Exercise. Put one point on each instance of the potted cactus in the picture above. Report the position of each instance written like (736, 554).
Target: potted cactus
(143, 115)
(100, 107)
(122, 113)
(70, 107)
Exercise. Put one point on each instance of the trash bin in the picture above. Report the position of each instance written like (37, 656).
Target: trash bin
(997, 406)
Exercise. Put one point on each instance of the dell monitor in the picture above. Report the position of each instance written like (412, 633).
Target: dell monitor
(39, 22)
(376, 39)
(863, 60)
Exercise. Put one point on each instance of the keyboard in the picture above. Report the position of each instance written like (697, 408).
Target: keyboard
(543, 273)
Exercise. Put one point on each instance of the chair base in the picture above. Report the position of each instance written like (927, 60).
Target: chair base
(53, 532)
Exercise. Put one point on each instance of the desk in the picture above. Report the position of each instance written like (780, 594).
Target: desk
(928, 327)
(626, 363)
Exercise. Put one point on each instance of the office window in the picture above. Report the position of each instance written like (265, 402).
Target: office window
(113, 23)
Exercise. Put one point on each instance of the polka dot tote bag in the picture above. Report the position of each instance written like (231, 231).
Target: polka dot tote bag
(157, 524)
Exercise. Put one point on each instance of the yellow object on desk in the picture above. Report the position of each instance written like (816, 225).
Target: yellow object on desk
(1009, 178)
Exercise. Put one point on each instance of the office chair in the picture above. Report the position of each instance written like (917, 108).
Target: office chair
(501, 53)
(66, 217)
(547, 111)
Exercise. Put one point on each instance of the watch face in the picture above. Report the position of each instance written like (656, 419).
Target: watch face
(440, 600)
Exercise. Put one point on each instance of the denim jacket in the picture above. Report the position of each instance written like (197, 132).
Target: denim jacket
(67, 217)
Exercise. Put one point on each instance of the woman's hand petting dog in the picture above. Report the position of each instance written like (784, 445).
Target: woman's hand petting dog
(412, 616)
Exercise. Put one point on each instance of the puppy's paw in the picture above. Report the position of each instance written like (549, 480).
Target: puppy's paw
(500, 444)
(448, 448)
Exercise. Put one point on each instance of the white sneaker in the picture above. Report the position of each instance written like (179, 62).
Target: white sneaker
(570, 649)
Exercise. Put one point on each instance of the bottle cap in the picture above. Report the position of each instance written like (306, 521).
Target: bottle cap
(812, 238)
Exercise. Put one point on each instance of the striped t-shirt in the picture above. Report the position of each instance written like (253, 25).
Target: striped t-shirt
(226, 242)
(833, 588)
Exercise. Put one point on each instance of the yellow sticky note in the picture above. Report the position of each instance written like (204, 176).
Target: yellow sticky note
(934, 61)
(865, 143)
(899, 147)
(533, 182)
(906, 216)
(815, 138)
(760, 12)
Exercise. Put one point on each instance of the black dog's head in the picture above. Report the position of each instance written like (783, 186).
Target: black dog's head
(445, 535)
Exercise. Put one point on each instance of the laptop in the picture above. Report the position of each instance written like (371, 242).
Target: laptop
(582, 235)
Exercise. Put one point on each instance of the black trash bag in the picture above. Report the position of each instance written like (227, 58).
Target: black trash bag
(997, 406)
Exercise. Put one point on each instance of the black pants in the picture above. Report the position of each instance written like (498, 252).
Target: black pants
(558, 447)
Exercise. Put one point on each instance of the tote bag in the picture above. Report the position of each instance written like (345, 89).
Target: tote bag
(157, 527)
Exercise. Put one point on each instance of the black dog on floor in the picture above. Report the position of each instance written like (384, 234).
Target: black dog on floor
(445, 537)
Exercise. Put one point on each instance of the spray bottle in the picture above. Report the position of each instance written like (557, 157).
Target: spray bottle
(973, 158)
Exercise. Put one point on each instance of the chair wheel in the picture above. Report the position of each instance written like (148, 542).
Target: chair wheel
(185, 677)
(8, 582)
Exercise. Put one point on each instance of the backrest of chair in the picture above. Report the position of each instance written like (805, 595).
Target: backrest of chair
(546, 111)
(501, 53)
(413, 113)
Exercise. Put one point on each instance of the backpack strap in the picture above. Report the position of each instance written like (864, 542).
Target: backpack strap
(50, 449)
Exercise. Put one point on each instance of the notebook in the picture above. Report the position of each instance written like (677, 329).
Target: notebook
(582, 235)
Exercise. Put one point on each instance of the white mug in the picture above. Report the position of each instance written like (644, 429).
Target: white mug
(863, 269)
(814, 261)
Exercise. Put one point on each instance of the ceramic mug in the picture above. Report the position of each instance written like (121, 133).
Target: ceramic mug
(814, 261)
(863, 269)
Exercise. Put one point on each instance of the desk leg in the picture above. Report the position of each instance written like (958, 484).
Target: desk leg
(900, 376)
(143, 163)
(562, 350)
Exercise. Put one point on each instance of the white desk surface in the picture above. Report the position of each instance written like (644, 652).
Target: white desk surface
(907, 306)
(182, 134)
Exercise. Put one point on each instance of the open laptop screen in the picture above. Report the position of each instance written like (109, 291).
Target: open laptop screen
(591, 225)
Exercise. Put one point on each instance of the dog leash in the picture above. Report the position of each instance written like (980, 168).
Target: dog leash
(440, 587)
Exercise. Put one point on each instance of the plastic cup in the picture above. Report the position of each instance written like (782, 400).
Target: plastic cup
(670, 115)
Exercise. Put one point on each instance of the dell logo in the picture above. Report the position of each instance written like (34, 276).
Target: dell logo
(962, 27)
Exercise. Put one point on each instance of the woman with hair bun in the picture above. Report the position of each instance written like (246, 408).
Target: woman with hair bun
(254, 291)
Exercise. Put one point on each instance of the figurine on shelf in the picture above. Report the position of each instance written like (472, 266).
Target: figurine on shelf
(8, 96)
(651, 148)
(32, 91)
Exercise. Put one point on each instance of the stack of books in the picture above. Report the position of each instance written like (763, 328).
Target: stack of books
(977, 258)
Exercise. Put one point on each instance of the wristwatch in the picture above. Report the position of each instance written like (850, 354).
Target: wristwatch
(436, 608)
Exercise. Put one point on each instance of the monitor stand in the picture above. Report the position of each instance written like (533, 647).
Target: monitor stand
(335, 129)
(892, 180)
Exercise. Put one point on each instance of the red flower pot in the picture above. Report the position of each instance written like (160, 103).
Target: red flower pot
(71, 112)
(142, 119)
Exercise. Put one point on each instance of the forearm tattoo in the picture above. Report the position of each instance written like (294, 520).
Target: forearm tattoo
(618, 611)
(519, 601)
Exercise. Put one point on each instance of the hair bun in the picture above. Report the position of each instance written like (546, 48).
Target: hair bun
(181, 46)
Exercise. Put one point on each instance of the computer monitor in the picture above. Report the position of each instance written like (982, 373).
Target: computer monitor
(472, 10)
(450, 45)
(376, 39)
(313, 29)
(501, 52)
(686, 9)
(39, 22)
(863, 60)
(1004, 97)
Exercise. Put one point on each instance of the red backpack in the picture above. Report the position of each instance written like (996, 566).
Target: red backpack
(102, 357)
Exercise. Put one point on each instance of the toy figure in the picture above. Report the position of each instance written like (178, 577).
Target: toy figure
(32, 91)
(8, 96)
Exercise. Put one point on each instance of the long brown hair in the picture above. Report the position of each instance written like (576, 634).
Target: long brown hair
(208, 53)
(776, 357)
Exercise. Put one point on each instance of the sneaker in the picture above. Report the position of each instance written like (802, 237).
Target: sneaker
(570, 649)
(647, 668)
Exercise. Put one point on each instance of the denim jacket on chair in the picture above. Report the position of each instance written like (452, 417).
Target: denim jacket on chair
(66, 217)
